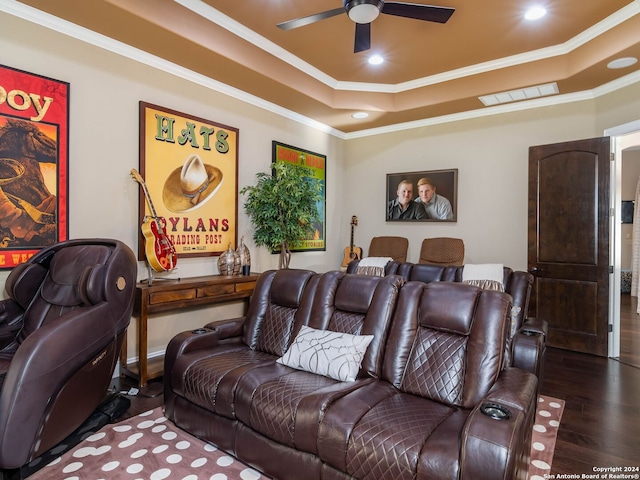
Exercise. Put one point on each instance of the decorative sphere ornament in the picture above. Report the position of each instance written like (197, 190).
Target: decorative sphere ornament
(229, 262)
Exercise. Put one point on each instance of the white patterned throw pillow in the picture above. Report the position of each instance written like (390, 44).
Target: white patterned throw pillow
(332, 354)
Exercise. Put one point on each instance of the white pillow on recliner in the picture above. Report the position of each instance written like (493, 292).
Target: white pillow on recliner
(331, 354)
(483, 271)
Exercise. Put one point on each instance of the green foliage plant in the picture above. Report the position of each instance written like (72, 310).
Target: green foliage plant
(282, 207)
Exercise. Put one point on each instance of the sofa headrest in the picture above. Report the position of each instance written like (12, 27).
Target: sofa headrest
(288, 286)
(427, 273)
(355, 292)
(91, 284)
(65, 270)
(448, 307)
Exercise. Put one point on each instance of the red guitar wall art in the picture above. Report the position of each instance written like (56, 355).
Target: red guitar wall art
(158, 248)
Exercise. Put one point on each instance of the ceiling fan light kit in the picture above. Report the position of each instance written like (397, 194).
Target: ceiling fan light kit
(363, 12)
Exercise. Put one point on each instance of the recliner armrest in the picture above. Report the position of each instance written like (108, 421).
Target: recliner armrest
(211, 334)
(228, 328)
(498, 448)
(535, 325)
(527, 351)
(528, 347)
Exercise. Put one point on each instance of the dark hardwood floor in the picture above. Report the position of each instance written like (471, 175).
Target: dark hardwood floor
(601, 421)
(629, 330)
(600, 426)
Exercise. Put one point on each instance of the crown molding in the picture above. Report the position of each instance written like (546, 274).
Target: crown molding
(85, 35)
(216, 16)
(554, 100)
(46, 20)
(226, 22)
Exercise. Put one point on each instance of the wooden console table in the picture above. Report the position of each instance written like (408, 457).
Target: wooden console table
(169, 295)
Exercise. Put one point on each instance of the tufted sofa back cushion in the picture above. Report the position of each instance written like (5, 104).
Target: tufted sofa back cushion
(518, 284)
(426, 273)
(357, 305)
(281, 298)
(447, 343)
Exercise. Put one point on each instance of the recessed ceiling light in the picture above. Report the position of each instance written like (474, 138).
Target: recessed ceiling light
(360, 115)
(376, 59)
(535, 13)
(622, 62)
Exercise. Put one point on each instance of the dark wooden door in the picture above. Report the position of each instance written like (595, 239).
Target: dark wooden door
(568, 243)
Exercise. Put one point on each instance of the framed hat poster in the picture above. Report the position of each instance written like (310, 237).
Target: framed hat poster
(190, 166)
(34, 157)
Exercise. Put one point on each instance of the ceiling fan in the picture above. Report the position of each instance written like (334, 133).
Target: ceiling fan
(363, 12)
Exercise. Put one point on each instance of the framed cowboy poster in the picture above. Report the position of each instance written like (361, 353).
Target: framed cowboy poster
(190, 167)
(315, 166)
(34, 140)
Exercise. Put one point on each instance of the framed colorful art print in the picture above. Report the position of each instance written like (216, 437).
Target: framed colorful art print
(315, 166)
(190, 167)
(34, 157)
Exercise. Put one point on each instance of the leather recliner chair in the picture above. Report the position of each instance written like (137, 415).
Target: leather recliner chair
(73, 303)
(394, 247)
(442, 251)
(528, 346)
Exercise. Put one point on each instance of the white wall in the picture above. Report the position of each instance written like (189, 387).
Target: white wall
(490, 153)
(630, 177)
(105, 89)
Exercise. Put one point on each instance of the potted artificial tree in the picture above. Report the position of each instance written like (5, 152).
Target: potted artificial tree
(282, 207)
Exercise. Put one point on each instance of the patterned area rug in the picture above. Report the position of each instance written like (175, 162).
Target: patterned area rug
(148, 447)
(151, 447)
(543, 440)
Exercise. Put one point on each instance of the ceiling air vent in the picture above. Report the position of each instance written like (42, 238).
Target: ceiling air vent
(519, 95)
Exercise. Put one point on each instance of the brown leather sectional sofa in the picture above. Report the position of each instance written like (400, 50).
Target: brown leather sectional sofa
(433, 398)
(526, 348)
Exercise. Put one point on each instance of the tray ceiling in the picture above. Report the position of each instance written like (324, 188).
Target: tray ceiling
(430, 70)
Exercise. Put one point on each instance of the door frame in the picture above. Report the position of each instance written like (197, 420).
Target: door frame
(620, 136)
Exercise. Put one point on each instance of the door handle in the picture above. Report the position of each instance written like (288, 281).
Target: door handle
(534, 269)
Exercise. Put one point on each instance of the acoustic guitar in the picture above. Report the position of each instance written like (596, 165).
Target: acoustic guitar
(158, 248)
(352, 252)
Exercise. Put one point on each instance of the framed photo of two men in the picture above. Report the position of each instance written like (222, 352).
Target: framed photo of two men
(426, 196)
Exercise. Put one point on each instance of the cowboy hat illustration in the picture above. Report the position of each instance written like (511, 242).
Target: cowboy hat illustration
(192, 185)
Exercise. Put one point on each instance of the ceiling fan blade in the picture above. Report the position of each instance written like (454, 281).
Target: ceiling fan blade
(302, 21)
(363, 37)
(428, 13)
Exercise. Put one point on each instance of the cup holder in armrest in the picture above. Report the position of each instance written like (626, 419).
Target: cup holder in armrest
(199, 331)
(495, 411)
